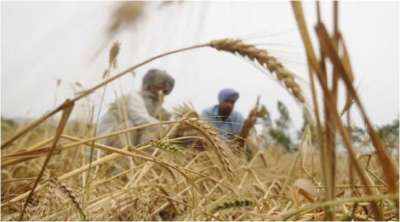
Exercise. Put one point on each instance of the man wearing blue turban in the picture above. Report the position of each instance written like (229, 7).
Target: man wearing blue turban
(222, 116)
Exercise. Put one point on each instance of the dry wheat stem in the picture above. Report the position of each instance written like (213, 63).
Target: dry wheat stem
(98, 183)
(40, 144)
(205, 198)
(310, 207)
(258, 180)
(390, 171)
(33, 125)
(166, 204)
(388, 167)
(290, 173)
(112, 61)
(328, 155)
(117, 154)
(266, 194)
(64, 119)
(141, 173)
(312, 59)
(65, 176)
(89, 140)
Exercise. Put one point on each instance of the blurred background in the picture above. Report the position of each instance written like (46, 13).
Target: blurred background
(50, 50)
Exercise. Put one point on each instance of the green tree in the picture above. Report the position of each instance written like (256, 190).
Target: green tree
(279, 133)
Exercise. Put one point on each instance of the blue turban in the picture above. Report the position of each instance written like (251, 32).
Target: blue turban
(227, 94)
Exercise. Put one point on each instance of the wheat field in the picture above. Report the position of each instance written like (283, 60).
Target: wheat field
(58, 169)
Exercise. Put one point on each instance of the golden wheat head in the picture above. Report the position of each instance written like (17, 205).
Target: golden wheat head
(264, 59)
(210, 133)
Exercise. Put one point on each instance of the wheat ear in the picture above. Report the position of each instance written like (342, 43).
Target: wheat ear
(233, 204)
(69, 194)
(215, 141)
(264, 59)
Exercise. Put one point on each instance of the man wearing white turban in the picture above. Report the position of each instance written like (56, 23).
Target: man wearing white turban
(138, 108)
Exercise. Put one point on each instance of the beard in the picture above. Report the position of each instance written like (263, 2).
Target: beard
(225, 112)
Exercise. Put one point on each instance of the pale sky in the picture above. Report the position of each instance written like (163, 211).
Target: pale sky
(45, 41)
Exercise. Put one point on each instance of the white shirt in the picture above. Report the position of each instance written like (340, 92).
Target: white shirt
(126, 111)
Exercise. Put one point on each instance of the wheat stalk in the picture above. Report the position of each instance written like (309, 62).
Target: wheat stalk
(264, 59)
(309, 207)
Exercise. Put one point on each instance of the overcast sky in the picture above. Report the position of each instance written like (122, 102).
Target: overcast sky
(45, 41)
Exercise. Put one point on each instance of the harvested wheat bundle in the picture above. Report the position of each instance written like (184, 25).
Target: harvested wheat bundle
(264, 59)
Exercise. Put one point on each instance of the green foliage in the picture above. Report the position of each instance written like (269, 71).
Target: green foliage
(281, 137)
(279, 133)
(267, 122)
(389, 133)
(391, 129)
(8, 122)
(8, 126)
(357, 134)
(284, 119)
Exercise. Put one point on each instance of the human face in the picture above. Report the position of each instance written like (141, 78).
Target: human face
(157, 89)
(226, 107)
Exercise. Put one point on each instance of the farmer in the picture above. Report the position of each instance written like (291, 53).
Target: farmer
(222, 116)
(138, 108)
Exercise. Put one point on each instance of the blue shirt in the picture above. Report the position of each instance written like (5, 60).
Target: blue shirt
(227, 128)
